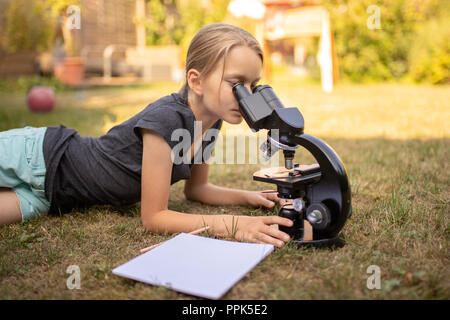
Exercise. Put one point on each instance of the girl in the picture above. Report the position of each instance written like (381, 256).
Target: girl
(54, 169)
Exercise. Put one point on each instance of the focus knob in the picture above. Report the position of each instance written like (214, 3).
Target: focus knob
(318, 215)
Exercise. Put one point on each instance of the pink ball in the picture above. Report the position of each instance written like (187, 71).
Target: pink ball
(41, 99)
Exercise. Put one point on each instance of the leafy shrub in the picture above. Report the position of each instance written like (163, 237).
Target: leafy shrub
(28, 27)
(429, 57)
(410, 44)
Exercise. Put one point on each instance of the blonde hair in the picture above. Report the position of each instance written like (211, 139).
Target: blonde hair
(212, 43)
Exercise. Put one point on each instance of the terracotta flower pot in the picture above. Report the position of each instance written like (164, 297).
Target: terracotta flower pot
(70, 71)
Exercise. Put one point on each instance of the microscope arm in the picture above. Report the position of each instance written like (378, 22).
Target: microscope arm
(332, 189)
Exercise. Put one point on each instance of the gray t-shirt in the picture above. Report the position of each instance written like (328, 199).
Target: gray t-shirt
(85, 171)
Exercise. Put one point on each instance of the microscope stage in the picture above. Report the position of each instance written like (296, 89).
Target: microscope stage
(300, 174)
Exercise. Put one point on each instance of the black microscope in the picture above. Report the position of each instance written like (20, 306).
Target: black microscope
(318, 196)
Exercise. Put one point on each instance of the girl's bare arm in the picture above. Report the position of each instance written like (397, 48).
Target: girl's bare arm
(156, 176)
(198, 188)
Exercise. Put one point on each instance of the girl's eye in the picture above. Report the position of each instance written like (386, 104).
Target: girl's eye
(252, 87)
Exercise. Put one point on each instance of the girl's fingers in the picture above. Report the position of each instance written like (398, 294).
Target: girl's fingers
(274, 197)
(269, 199)
(274, 233)
(267, 202)
(278, 220)
(271, 195)
(264, 238)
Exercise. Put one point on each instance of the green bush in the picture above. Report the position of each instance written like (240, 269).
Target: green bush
(429, 57)
(410, 44)
(28, 26)
(176, 22)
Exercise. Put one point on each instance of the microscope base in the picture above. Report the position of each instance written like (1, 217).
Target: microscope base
(337, 241)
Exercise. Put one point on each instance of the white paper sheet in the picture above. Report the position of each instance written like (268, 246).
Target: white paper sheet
(195, 265)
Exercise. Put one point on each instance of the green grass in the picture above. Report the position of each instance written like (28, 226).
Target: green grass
(393, 139)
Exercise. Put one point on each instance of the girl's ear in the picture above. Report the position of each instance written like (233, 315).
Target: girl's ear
(194, 81)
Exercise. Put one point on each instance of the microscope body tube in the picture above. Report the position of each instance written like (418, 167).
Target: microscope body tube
(263, 110)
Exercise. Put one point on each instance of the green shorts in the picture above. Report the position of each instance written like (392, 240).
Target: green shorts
(22, 168)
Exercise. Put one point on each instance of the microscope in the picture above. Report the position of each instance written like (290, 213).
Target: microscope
(317, 196)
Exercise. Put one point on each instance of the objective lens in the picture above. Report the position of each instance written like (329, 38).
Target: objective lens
(289, 163)
(288, 159)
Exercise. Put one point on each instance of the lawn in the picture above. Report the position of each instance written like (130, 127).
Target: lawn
(394, 140)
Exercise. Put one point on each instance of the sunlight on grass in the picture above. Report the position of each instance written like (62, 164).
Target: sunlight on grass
(390, 111)
(360, 112)
(124, 103)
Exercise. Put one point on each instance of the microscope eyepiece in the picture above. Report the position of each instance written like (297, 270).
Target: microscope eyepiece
(240, 91)
(269, 96)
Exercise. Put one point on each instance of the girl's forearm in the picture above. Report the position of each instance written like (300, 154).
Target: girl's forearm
(215, 195)
(172, 222)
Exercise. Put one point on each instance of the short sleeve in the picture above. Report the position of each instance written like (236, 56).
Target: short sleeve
(164, 121)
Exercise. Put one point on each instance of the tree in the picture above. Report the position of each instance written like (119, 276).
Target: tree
(177, 21)
(380, 54)
(28, 26)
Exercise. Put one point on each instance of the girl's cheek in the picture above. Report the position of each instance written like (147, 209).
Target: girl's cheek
(231, 99)
(226, 94)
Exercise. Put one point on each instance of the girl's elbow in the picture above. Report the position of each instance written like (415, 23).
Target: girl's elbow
(149, 222)
(190, 196)
(196, 193)
(148, 226)
(196, 197)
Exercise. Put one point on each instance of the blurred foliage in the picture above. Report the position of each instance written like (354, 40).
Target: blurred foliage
(411, 44)
(28, 27)
(177, 21)
(24, 83)
(58, 7)
(429, 57)
(31, 25)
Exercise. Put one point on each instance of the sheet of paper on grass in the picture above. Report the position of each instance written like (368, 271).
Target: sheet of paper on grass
(195, 265)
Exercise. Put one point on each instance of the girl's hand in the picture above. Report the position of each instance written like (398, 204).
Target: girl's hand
(266, 198)
(259, 230)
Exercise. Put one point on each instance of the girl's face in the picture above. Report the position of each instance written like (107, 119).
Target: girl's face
(242, 65)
